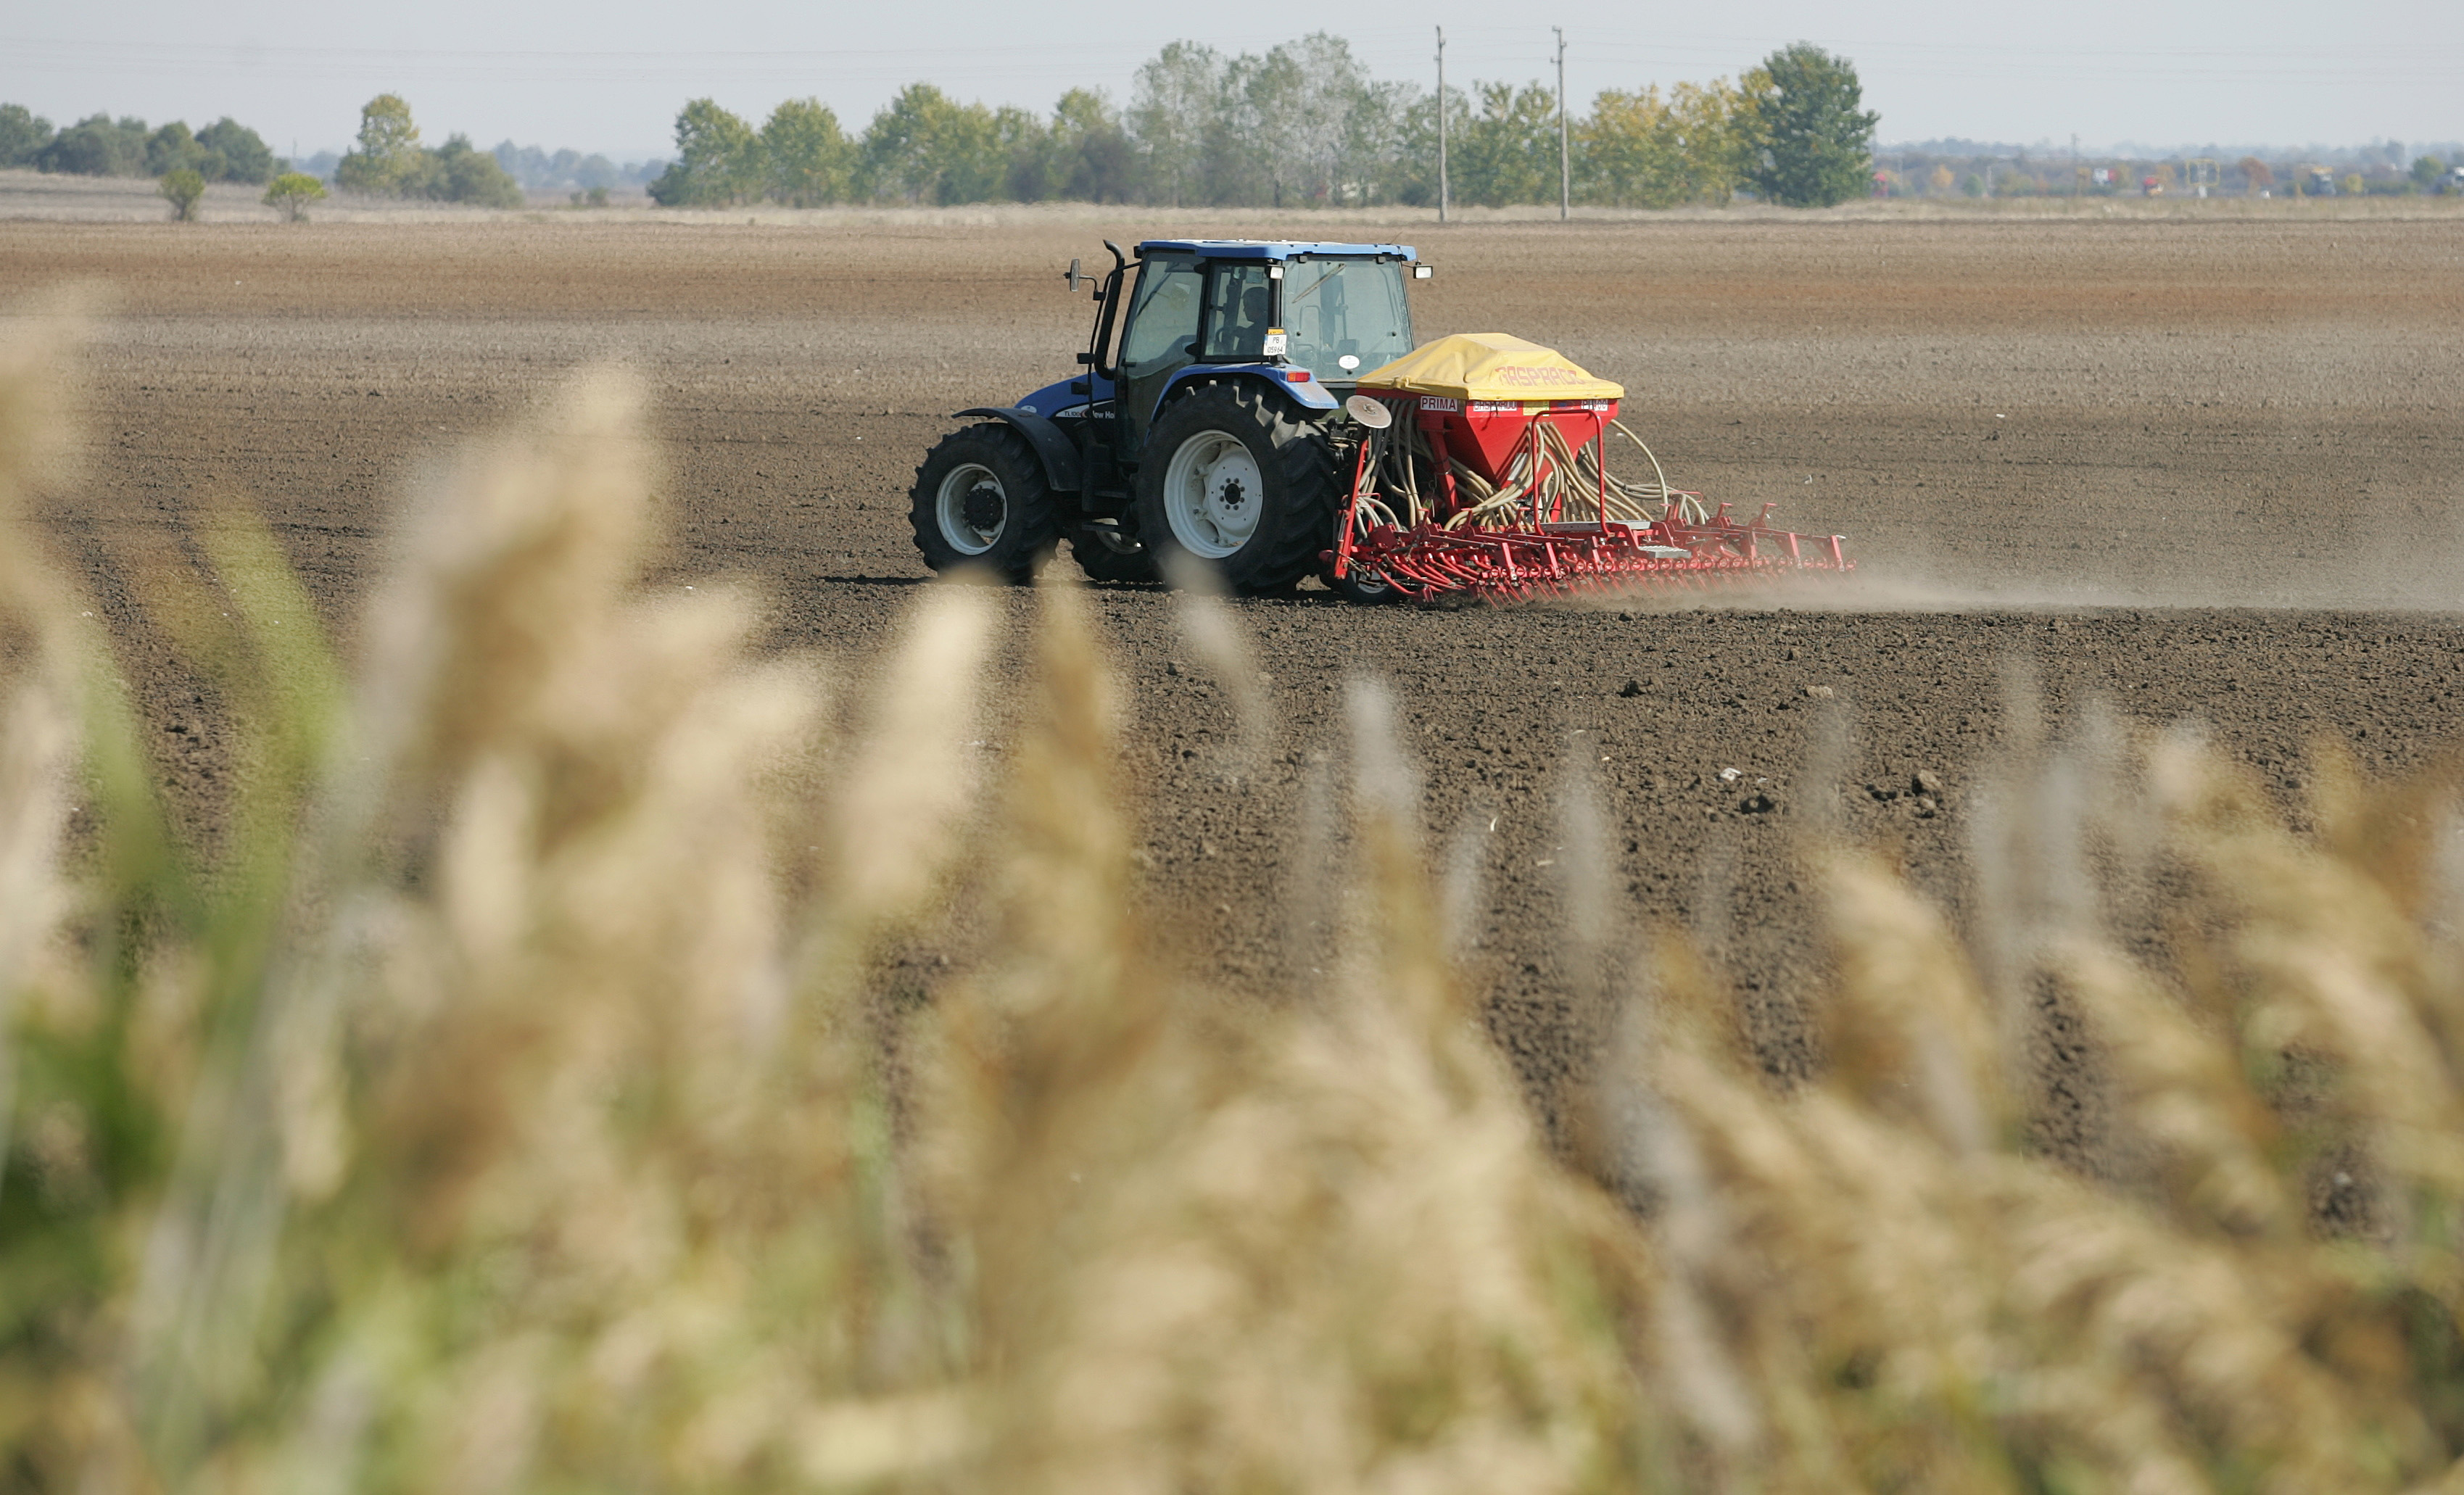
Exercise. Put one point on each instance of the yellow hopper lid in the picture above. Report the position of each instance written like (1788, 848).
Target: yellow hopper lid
(1490, 366)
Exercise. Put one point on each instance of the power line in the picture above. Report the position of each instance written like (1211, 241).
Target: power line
(321, 53)
(1610, 41)
(1610, 38)
(2326, 64)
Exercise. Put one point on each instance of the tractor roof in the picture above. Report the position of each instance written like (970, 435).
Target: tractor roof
(1271, 249)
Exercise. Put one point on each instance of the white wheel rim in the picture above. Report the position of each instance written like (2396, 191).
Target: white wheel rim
(950, 507)
(1211, 493)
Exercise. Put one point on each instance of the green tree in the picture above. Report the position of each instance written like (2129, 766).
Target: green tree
(1011, 159)
(718, 158)
(390, 162)
(1238, 165)
(1409, 170)
(1709, 118)
(1297, 106)
(1628, 151)
(906, 142)
(1640, 150)
(466, 174)
(927, 147)
(172, 147)
(1381, 143)
(1006, 149)
(806, 156)
(23, 135)
(1507, 151)
(1090, 156)
(1807, 143)
(184, 188)
(2426, 170)
(1175, 110)
(241, 152)
(1033, 171)
(292, 192)
(96, 147)
(1302, 123)
(387, 161)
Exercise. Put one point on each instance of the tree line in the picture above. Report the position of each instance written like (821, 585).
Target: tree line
(100, 145)
(388, 161)
(1976, 170)
(1302, 125)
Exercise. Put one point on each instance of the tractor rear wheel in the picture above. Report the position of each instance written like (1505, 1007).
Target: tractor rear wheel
(981, 499)
(1232, 480)
(1108, 553)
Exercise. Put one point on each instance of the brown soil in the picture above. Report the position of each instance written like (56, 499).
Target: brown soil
(2200, 469)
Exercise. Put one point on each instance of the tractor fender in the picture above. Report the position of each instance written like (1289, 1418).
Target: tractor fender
(1052, 445)
(1310, 395)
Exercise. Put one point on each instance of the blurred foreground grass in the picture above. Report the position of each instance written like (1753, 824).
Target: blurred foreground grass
(501, 1104)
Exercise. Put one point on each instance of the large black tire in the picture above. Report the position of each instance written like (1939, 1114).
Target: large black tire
(1205, 454)
(981, 499)
(1108, 552)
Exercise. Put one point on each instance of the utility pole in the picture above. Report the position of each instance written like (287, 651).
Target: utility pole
(1564, 157)
(1441, 124)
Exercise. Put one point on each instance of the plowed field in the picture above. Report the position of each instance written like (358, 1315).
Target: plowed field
(2196, 469)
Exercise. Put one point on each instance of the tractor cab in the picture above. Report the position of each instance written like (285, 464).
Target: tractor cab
(1307, 317)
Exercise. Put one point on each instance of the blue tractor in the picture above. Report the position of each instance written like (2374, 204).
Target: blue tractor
(1206, 421)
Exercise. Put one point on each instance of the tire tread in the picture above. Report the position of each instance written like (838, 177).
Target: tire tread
(1034, 528)
(1303, 466)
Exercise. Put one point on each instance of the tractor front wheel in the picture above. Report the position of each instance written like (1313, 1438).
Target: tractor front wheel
(981, 499)
(1230, 479)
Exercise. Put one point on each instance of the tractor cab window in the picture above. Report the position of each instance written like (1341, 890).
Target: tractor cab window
(1338, 309)
(1163, 317)
(1239, 308)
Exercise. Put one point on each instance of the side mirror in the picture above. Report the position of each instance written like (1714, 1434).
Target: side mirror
(1072, 276)
(1419, 271)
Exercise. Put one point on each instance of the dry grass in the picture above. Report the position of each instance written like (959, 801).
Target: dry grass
(499, 1105)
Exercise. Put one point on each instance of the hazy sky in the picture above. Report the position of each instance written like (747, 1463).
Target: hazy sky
(609, 75)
